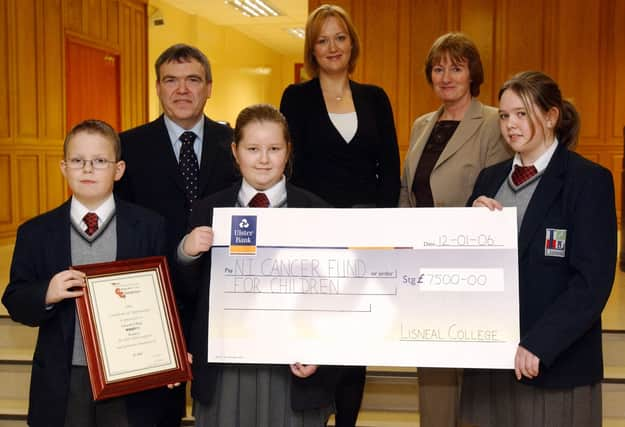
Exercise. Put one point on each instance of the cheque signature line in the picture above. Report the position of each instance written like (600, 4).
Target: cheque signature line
(480, 341)
(320, 310)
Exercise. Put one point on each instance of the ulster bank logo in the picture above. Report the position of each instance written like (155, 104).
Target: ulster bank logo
(243, 235)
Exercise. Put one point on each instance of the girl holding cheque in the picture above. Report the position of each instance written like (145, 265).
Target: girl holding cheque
(250, 395)
(567, 258)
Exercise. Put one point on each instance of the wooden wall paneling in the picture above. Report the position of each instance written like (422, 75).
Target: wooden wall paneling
(125, 66)
(141, 67)
(5, 108)
(94, 19)
(579, 61)
(27, 112)
(6, 206)
(519, 40)
(129, 40)
(53, 181)
(138, 72)
(72, 12)
(112, 20)
(401, 107)
(32, 92)
(356, 9)
(381, 38)
(452, 15)
(477, 20)
(135, 75)
(616, 49)
(550, 35)
(9, 107)
(28, 190)
(133, 45)
(428, 21)
(51, 70)
(500, 52)
(606, 83)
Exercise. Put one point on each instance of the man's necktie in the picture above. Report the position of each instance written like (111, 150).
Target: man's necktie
(522, 174)
(91, 219)
(189, 169)
(260, 200)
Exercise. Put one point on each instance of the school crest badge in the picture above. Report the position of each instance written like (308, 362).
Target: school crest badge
(555, 242)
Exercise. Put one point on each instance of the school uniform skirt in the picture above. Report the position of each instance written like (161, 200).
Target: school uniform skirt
(494, 398)
(256, 396)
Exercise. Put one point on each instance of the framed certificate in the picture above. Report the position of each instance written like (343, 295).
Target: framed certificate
(130, 327)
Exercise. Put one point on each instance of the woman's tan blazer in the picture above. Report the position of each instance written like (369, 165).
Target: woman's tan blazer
(476, 143)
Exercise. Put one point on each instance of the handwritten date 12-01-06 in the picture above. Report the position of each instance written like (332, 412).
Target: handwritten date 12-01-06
(462, 240)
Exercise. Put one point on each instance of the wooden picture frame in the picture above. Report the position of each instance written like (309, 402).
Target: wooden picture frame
(130, 327)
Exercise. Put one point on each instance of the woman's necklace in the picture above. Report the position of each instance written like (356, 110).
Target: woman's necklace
(338, 97)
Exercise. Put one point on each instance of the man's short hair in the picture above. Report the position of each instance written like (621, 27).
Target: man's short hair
(183, 53)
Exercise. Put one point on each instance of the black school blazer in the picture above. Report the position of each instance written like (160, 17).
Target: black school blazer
(561, 298)
(42, 249)
(313, 392)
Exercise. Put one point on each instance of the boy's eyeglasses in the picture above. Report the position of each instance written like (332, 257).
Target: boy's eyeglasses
(95, 163)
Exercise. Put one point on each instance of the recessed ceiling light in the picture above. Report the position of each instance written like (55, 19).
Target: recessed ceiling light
(296, 32)
(253, 8)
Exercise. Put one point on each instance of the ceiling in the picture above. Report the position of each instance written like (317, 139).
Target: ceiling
(269, 31)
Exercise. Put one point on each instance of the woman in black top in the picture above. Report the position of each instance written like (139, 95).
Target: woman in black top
(343, 132)
(344, 141)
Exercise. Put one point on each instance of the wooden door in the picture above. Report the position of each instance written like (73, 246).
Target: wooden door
(93, 90)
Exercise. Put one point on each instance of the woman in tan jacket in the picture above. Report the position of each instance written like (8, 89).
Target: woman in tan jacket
(448, 149)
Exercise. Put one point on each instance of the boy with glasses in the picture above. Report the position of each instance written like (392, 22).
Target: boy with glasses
(90, 227)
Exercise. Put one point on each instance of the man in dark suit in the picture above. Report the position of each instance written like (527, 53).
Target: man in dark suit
(92, 226)
(173, 160)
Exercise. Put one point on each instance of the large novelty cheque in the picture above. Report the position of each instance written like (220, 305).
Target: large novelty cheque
(392, 287)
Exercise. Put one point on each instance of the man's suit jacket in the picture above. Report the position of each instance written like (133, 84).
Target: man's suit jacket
(476, 144)
(363, 172)
(152, 178)
(42, 249)
(561, 298)
(312, 392)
